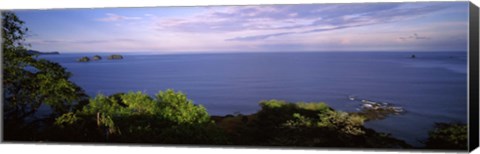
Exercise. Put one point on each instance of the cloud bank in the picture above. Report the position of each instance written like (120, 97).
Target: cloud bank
(314, 27)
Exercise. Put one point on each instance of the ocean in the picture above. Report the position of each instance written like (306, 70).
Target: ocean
(431, 87)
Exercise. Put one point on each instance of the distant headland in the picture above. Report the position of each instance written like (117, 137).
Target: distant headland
(35, 52)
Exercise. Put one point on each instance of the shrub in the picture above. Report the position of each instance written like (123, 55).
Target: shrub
(272, 104)
(312, 124)
(175, 107)
(447, 136)
(136, 117)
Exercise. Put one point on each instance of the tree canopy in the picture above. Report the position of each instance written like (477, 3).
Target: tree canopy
(136, 117)
(30, 82)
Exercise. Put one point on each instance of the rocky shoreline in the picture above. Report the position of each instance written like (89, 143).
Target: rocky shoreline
(376, 109)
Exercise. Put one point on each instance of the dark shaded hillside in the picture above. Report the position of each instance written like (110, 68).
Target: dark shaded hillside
(35, 52)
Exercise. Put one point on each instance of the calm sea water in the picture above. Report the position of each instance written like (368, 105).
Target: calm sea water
(431, 88)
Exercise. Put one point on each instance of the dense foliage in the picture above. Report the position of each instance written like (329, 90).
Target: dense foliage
(448, 136)
(170, 117)
(280, 123)
(28, 82)
(136, 117)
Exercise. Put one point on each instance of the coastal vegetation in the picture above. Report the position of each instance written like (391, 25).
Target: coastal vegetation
(169, 117)
(448, 136)
(29, 83)
(135, 117)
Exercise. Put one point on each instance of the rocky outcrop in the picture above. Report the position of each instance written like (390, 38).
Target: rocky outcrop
(376, 109)
(83, 59)
(114, 57)
(371, 105)
(96, 57)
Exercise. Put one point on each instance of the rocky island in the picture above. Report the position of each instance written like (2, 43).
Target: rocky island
(97, 57)
(83, 59)
(114, 57)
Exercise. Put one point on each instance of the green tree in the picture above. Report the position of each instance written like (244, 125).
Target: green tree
(177, 108)
(136, 117)
(29, 82)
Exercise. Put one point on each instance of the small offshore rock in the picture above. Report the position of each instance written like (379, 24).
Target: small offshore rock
(351, 98)
(96, 57)
(83, 59)
(367, 106)
(112, 57)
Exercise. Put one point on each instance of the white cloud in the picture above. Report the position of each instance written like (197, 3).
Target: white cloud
(276, 28)
(111, 17)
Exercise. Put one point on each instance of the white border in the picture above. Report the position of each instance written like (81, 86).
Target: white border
(49, 4)
(83, 149)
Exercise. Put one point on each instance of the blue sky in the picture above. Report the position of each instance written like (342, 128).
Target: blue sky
(425, 26)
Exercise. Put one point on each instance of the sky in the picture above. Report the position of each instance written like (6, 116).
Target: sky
(419, 26)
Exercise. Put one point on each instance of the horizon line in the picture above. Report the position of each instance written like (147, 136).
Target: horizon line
(227, 52)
